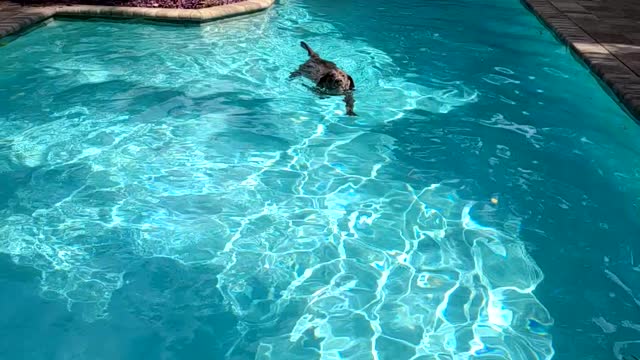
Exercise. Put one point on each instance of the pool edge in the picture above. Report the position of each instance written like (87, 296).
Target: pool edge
(613, 73)
(31, 16)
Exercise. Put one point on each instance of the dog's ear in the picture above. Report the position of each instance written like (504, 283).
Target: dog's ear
(325, 81)
(352, 85)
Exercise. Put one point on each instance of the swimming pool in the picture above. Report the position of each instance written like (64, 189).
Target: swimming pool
(167, 193)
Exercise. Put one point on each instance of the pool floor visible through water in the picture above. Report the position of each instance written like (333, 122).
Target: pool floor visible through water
(168, 192)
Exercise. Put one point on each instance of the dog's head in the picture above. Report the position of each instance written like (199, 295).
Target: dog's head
(337, 80)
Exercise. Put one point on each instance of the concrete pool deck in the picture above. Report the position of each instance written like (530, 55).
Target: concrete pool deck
(15, 18)
(605, 34)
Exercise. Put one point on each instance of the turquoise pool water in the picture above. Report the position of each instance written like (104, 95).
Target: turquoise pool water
(167, 193)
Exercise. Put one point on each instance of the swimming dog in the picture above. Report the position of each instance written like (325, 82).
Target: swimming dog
(328, 77)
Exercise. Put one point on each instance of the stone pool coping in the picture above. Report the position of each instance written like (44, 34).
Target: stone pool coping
(22, 17)
(605, 58)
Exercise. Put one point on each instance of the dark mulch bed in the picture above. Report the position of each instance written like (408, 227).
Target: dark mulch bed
(173, 4)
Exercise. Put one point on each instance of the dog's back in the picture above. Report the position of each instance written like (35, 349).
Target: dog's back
(316, 65)
(312, 54)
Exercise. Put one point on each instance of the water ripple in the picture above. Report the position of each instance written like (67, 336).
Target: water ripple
(212, 157)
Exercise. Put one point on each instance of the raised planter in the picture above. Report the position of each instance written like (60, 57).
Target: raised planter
(28, 16)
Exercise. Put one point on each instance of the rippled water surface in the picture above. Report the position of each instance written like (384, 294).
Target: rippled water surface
(167, 193)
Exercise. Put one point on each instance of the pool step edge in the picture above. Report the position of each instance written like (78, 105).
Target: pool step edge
(30, 16)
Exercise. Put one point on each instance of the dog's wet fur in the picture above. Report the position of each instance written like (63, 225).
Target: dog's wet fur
(328, 77)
